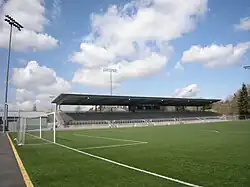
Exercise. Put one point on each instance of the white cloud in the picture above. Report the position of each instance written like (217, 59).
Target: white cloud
(134, 38)
(244, 24)
(188, 91)
(36, 84)
(11, 107)
(92, 56)
(216, 55)
(125, 70)
(179, 66)
(25, 105)
(30, 14)
(149, 22)
(94, 78)
(31, 74)
(56, 9)
(24, 95)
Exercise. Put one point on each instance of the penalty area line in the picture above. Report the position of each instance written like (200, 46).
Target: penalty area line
(111, 146)
(124, 165)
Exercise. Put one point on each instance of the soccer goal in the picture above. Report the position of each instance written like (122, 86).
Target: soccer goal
(37, 130)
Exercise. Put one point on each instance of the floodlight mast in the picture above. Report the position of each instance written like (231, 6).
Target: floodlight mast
(52, 97)
(111, 71)
(12, 23)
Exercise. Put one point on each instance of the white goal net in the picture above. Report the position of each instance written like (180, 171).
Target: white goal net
(37, 130)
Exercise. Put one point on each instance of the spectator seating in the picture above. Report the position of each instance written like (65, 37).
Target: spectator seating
(72, 117)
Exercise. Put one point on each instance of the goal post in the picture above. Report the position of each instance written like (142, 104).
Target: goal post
(20, 131)
(37, 130)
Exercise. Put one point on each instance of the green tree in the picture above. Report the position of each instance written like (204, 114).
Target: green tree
(243, 102)
(248, 91)
(234, 104)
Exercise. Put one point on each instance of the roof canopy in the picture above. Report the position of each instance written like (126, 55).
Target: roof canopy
(83, 99)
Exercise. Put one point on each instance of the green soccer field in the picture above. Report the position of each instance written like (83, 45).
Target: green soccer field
(214, 154)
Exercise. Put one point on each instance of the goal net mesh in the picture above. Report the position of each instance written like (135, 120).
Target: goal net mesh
(36, 130)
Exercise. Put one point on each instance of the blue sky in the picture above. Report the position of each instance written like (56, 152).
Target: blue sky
(209, 40)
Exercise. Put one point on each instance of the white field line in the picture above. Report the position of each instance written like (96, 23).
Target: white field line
(108, 138)
(211, 131)
(111, 146)
(124, 165)
(239, 132)
(215, 131)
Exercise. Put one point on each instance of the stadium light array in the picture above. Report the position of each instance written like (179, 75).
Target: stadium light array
(12, 22)
(111, 71)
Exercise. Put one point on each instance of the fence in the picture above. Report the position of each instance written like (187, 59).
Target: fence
(14, 117)
(90, 124)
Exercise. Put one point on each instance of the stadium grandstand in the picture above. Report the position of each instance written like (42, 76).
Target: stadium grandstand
(114, 111)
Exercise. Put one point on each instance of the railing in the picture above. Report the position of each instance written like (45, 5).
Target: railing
(13, 126)
(148, 122)
(59, 118)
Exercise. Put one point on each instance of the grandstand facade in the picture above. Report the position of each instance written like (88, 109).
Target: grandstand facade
(113, 111)
(124, 110)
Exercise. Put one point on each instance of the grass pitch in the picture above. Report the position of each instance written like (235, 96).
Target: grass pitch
(215, 154)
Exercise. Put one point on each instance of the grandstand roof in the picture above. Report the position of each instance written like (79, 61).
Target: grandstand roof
(86, 99)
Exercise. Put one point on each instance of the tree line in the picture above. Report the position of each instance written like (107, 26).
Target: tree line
(237, 104)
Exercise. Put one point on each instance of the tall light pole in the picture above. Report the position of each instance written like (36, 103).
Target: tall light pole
(52, 97)
(12, 23)
(111, 71)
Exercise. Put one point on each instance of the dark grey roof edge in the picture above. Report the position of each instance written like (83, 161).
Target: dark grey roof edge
(65, 95)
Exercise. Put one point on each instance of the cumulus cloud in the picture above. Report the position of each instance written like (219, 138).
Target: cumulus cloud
(92, 56)
(126, 70)
(30, 14)
(134, 38)
(215, 55)
(24, 95)
(188, 91)
(36, 84)
(11, 107)
(31, 74)
(244, 24)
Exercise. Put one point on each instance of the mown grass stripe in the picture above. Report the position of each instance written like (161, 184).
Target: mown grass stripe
(123, 165)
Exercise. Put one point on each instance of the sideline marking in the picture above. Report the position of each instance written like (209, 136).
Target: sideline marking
(123, 165)
(110, 146)
(107, 138)
(24, 173)
(239, 132)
